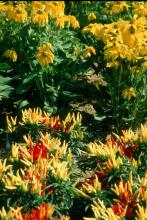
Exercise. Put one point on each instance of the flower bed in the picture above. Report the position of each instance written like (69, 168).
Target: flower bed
(44, 176)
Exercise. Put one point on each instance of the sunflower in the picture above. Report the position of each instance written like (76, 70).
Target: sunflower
(95, 29)
(9, 11)
(39, 15)
(2, 5)
(115, 7)
(44, 55)
(11, 54)
(20, 13)
(128, 93)
(55, 9)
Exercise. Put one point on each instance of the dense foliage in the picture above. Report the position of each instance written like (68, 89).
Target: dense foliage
(52, 171)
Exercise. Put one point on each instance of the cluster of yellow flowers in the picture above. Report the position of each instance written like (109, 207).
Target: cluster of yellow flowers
(100, 211)
(115, 7)
(124, 40)
(140, 8)
(37, 116)
(128, 196)
(44, 211)
(140, 135)
(38, 160)
(39, 13)
(109, 152)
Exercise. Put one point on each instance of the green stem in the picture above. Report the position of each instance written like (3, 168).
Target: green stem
(40, 86)
(118, 94)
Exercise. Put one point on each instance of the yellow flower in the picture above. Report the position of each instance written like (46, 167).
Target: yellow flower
(65, 217)
(36, 5)
(92, 188)
(20, 14)
(91, 16)
(11, 123)
(2, 6)
(131, 35)
(11, 181)
(11, 214)
(69, 20)
(4, 167)
(59, 169)
(71, 121)
(55, 9)
(40, 16)
(73, 22)
(129, 135)
(134, 164)
(139, 135)
(135, 69)
(144, 65)
(75, 52)
(9, 11)
(113, 51)
(11, 54)
(15, 213)
(31, 116)
(90, 50)
(95, 29)
(100, 211)
(113, 163)
(15, 151)
(128, 93)
(115, 7)
(114, 64)
(44, 55)
(103, 150)
(140, 8)
(143, 133)
(141, 212)
(60, 22)
(3, 214)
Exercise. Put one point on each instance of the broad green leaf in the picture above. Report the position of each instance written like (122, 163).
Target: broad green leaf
(5, 68)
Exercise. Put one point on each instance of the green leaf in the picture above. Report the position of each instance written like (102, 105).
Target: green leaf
(4, 80)
(69, 94)
(23, 104)
(99, 118)
(5, 68)
(128, 119)
(29, 78)
(5, 89)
